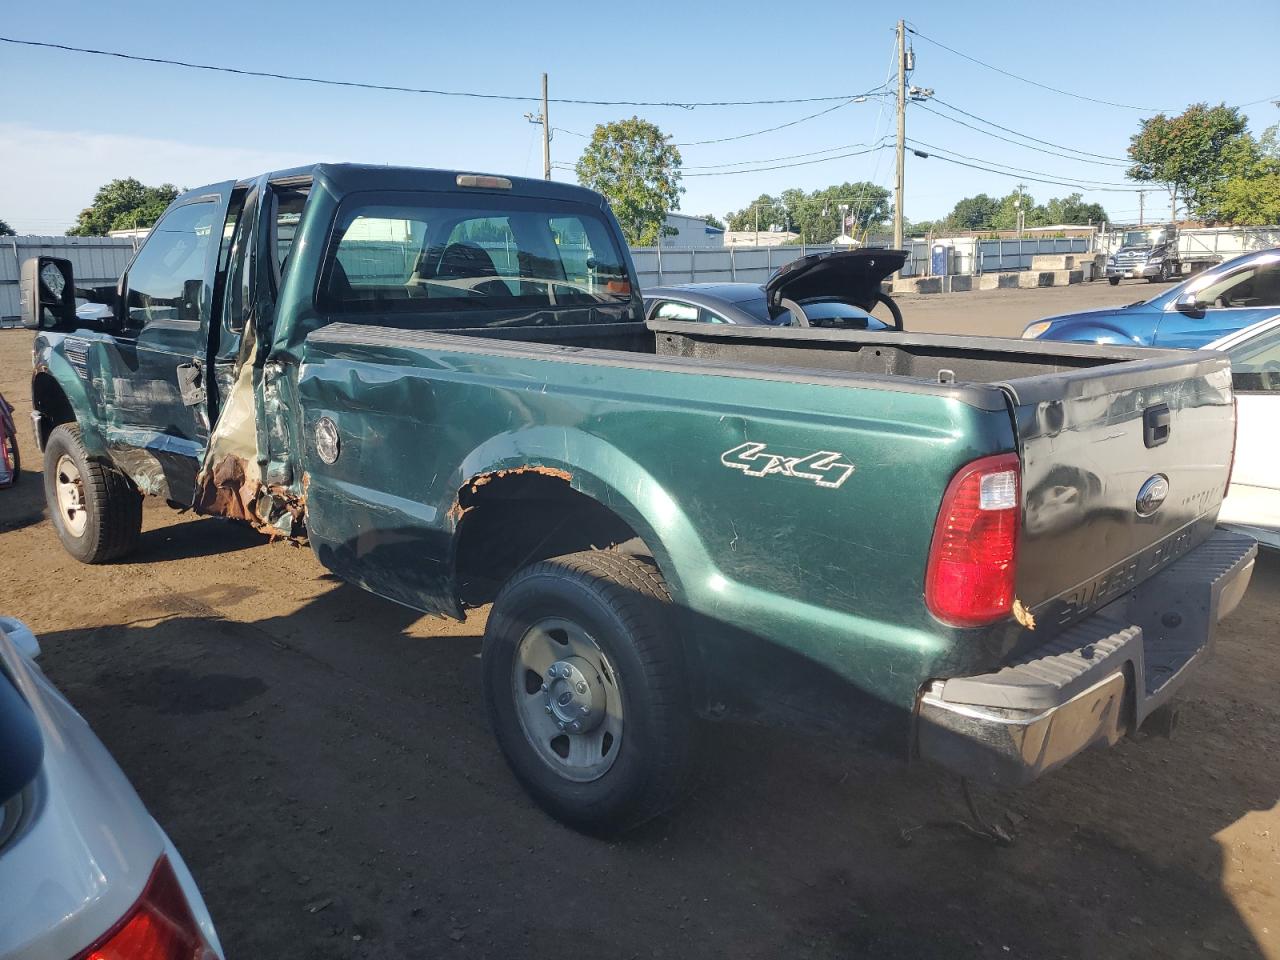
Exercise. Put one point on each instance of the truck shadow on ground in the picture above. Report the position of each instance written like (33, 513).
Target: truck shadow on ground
(331, 780)
(22, 504)
(196, 536)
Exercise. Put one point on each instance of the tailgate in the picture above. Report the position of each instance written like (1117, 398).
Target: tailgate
(1124, 468)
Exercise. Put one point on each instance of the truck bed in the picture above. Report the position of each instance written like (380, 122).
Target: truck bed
(1076, 414)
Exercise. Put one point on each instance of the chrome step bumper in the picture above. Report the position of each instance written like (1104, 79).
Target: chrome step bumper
(1098, 680)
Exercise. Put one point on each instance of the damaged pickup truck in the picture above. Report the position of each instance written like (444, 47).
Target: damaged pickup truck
(988, 554)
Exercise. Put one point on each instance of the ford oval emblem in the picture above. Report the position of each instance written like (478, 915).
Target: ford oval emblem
(1151, 494)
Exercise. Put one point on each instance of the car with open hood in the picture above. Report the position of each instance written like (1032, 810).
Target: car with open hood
(841, 289)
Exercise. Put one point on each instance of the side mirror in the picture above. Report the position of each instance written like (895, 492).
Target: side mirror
(48, 292)
(1190, 304)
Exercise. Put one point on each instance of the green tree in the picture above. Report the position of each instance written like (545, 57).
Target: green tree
(973, 213)
(712, 220)
(761, 213)
(6, 230)
(1070, 209)
(815, 217)
(121, 205)
(637, 169)
(1187, 154)
(1250, 194)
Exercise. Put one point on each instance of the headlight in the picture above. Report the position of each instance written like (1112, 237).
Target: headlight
(1036, 329)
(1155, 261)
(1111, 261)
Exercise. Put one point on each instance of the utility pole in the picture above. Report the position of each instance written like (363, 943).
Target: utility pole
(546, 133)
(543, 118)
(1142, 196)
(902, 135)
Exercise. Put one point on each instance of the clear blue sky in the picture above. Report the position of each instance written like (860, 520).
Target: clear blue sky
(72, 121)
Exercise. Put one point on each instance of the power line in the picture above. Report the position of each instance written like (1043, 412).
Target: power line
(1034, 83)
(1086, 184)
(689, 105)
(1025, 146)
(781, 126)
(784, 166)
(791, 156)
(1056, 183)
(1027, 136)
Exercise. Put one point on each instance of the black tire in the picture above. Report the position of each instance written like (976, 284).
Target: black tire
(623, 603)
(1114, 281)
(111, 504)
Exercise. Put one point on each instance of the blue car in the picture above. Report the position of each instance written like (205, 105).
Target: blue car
(1201, 309)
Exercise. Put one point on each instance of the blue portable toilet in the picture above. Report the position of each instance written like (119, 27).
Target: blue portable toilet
(940, 260)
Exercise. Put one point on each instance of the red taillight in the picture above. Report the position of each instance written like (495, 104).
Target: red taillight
(1235, 432)
(969, 580)
(158, 927)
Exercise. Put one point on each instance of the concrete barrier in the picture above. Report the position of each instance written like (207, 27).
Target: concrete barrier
(960, 283)
(1036, 278)
(918, 285)
(1057, 261)
(1063, 277)
(998, 281)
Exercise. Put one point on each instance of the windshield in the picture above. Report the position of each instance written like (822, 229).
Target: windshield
(1143, 238)
(445, 254)
(821, 313)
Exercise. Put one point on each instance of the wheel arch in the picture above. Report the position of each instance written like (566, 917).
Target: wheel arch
(58, 395)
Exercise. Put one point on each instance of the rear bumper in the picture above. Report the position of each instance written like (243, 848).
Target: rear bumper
(1097, 681)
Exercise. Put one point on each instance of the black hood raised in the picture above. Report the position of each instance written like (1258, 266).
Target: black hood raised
(852, 276)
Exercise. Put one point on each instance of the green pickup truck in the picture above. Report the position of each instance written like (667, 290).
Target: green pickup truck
(988, 554)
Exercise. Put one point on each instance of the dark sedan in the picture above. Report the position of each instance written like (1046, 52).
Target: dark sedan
(840, 289)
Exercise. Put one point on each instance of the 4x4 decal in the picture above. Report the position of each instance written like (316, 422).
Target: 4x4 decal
(825, 468)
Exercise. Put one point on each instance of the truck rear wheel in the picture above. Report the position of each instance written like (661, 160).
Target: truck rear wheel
(1114, 281)
(94, 508)
(587, 692)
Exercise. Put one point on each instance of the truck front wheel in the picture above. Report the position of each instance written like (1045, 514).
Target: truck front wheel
(95, 509)
(586, 689)
(1114, 281)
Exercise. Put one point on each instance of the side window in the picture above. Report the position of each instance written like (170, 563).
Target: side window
(289, 204)
(166, 279)
(675, 310)
(708, 316)
(1255, 286)
(1255, 364)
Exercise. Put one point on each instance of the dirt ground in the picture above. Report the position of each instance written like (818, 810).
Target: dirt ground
(322, 759)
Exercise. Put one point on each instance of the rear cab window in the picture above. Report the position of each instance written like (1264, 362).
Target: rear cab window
(429, 259)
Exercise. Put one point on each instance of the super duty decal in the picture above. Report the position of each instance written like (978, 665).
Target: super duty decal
(826, 468)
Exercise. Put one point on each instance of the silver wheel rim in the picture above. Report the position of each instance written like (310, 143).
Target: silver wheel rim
(69, 486)
(567, 699)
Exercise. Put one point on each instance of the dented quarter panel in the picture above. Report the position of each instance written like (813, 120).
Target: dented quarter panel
(765, 566)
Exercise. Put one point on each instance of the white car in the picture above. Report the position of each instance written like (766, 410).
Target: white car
(85, 872)
(1252, 505)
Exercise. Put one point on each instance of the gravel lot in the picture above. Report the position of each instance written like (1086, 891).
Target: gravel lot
(322, 759)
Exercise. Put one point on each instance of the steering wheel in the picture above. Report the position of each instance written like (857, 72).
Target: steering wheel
(894, 309)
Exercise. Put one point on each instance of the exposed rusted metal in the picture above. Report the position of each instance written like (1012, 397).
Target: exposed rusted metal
(459, 507)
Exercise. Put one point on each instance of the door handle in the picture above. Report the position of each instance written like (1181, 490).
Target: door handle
(191, 383)
(1156, 425)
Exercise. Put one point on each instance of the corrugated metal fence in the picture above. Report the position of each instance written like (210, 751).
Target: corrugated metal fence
(96, 261)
